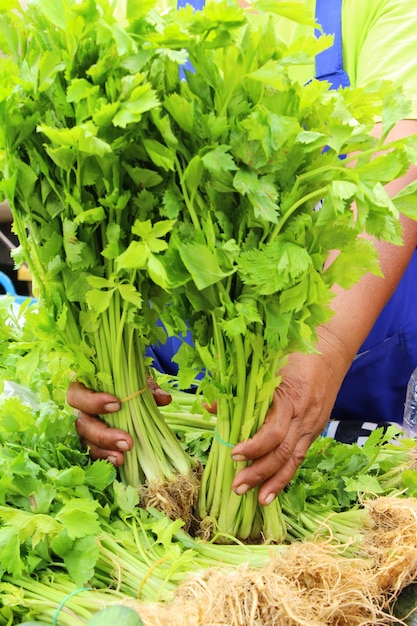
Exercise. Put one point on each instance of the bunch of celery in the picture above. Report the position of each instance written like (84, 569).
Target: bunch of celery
(75, 109)
(251, 152)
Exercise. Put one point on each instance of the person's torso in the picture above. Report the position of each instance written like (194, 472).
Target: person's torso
(369, 28)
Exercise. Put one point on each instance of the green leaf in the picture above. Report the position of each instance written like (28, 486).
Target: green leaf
(409, 481)
(181, 110)
(277, 326)
(165, 529)
(159, 154)
(79, 518)
(152, 232)
(262, 194)
(100, 475)
(36, 526)
(10, 560)
(42, 498)
(130, 294)
(70, 477)
(272, 73)
(127, 497)
(396, 107)
(143, 177)
(193, 173)
(130, 112)
(91, 216)
(80, 89)
(62, 156)
(54, 12)
(274, 267)
(292, 10)
(158, 272)
(80, 557)
(202, 265)
(367, 485)
(100, 300)
(82, 138)
(406, 200)
(134, 257)
(219, 159)
(350, 264)
(382, 168)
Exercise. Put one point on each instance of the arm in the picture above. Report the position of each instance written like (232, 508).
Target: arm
(303, 402)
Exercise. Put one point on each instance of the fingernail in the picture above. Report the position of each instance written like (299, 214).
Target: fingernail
(269, 498)
(122, 445)
(238, 457)
(111, 407)
(112, 460)
(242, 489)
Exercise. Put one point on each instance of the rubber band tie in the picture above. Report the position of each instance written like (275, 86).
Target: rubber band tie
(68, 597)
(220, 440)
(135, 394)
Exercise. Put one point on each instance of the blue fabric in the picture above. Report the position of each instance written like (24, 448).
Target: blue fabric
(375, 386)
(329, 63)
(162, 354)
(197, 6)
(7, 284)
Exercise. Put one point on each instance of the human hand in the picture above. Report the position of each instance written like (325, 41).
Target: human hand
(303, 402)
(103, 441)
(300, 410)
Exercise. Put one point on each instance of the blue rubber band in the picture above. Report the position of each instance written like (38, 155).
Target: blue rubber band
(70, 595)
(220, 440)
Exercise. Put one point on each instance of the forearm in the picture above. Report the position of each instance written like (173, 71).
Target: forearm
(357, 309)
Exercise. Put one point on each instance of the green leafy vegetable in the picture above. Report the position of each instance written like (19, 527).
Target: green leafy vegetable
(110, 615)
(138, 194)
(254, 153)
(54, 565)
(78, 155)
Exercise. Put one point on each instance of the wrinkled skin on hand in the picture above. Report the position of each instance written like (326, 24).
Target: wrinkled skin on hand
(102, 441)
(300, 410)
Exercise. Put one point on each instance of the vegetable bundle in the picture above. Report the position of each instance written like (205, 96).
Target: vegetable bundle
(249, 154)
(140, 193)
(74, 129)
(73, 540)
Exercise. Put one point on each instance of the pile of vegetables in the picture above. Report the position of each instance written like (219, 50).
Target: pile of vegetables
(143, 194)
(73, 540)
(74, 543)
(140, 193)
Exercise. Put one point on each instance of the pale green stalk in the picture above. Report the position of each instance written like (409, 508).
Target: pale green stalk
(239, 416)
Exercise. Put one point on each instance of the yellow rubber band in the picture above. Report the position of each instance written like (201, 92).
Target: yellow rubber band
(135, 394)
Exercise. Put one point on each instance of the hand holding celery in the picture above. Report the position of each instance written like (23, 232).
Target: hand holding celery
(137, 195)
